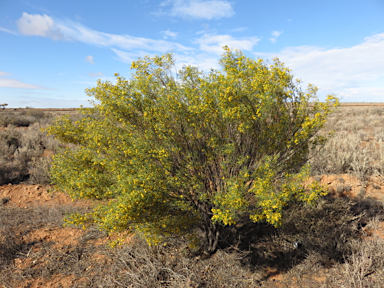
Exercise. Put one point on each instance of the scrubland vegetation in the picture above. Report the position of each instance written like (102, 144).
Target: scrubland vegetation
(330, 244)
(334, 237)
(22, 143)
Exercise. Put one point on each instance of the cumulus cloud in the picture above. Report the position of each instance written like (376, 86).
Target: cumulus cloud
(89, 59)
(199, 9)
(169, 34)
(275, 34)
(353, 72)
(95, 74)
(214, 43)
(39, 25)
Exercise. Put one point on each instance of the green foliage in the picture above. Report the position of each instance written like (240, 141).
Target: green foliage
(169, 154)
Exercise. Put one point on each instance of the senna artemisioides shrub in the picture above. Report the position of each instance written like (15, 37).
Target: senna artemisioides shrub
(170, 153)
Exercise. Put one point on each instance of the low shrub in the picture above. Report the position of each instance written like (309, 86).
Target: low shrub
(24, 118)
(20, 154)
(11, 140)
(38, 170)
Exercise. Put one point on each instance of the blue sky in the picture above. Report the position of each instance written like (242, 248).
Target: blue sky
(51, 51)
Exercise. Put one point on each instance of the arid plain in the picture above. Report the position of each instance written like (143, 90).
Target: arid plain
(337, 243)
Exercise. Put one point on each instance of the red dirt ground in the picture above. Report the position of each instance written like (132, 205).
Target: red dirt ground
(25, 196)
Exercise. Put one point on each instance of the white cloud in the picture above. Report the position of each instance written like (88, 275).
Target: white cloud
(354, 72)
(2, 74)
(129, 42)
(14, 83)
(198, 9)
(126, 47)
(78, 32)
(39, 25)
(215, 43)
(169, 34)
(8, 31)
(45, 26)
(89, 59)
(95, 74)
(275, 34)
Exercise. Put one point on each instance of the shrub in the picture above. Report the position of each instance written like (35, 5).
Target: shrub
(196, 151)
(10, 138)
(35, 113)
(38, 170)
(20, 152)
(24, 118)
(11, 119)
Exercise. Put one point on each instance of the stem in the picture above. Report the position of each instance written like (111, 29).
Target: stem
(211, 235)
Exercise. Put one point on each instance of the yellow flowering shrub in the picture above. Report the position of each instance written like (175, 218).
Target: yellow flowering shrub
(168, 153)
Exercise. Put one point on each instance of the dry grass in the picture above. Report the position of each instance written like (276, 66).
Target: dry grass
(357, 146)
(15, 223)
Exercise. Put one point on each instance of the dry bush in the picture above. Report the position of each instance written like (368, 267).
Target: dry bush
(333, 235)
(13, 158)
(24, 118)
(364, 268)
(35, 113)
(324, 229)
(11, 118)
(140, 265)
(21, 149)
(39, 170)
(10, 247)
(20, 154)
